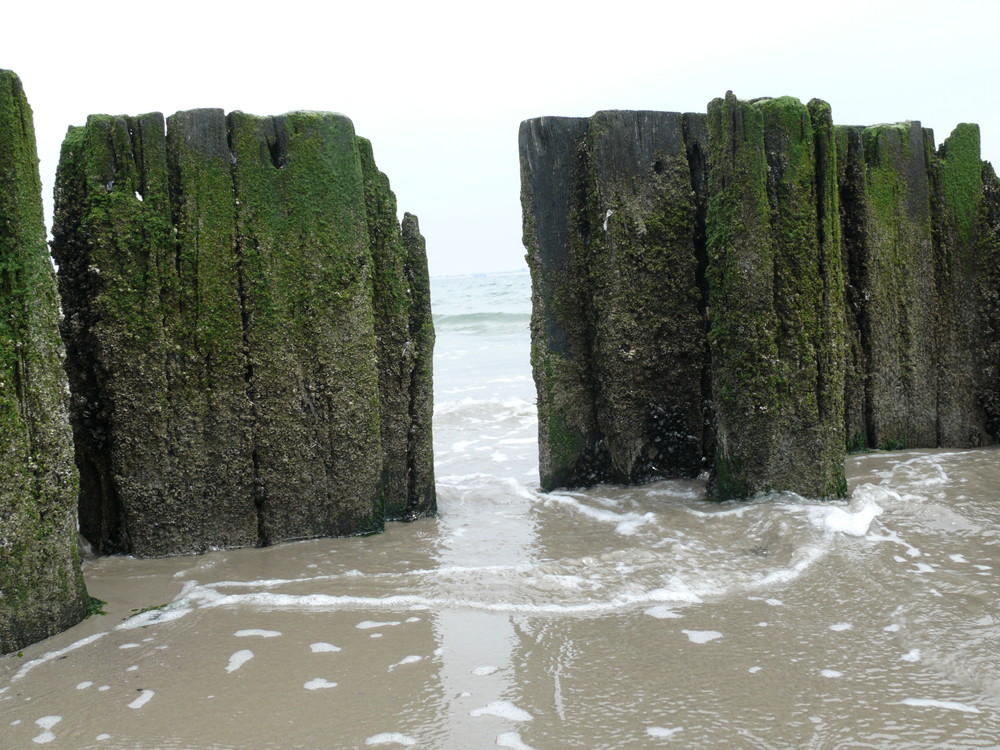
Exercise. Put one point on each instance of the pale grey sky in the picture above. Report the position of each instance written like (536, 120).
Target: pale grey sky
(440, 87)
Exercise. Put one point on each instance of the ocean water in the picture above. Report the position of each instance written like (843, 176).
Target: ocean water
(612, 618)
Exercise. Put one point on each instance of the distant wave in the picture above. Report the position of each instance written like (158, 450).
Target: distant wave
(481, 319)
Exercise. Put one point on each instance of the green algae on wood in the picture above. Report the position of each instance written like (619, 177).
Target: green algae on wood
(404, 336)
(421, 496)
(307, 294)
(611, 225)
(775, 292)
(222, 299)
(144, 238)
(41, 584)
(552, 166)
(645, 302)
(391, 303)
(851, 289)
(957, 192)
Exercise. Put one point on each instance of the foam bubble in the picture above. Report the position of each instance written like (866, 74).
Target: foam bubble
(128, 645)
(50, 655)
(173, 611)
(831, 673)
(84, 685)
(932, 703)
(103, 736)
(369, 624)
(663, 732)
(238, 659)
(324, 648)
(484, 671)
(513, 740)
(503, 710)
(257, 632)
(319, 684)
(702, 636)
(662, 613)
(854, 519)
(391, 738)
(841, 626)
(46, 723)
(412, 659)
(144, 697)
(913, 655)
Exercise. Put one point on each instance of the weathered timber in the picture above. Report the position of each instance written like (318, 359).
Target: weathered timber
(421, 496)
(776, 298)
(611, 216)
(41, 584)
(842, 282)
(892, 269)
(226, 280)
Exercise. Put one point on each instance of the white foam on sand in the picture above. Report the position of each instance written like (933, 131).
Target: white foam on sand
(932, 703)
(831, 673)
(391, 738)
(626, 524)
(257, 632)
(369, 624)
(662, 613)
(663, 732)
(854, 519)
(319, 684)
(50, 655)
(513, 740)
(913, 655)
(412, 659)
(841, 626)
(144, 697)
(46, 723)
(103, 736)
(84, 685)
(503, 710)
(324, 648)
(173, 611)
(484, 671)
(238, 659)
(702, 636)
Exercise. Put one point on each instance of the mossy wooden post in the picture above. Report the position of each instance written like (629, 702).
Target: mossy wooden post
(648, 351)
(962, 321)
(145, 243)
(777, 326)
(112, 245)
(854, 250)
(392, 308)
(221, 279)
(898, 288)
(307, 290)
(556, 236)
(206, 366)
(41, 584)
(987, 239)
(421, 494)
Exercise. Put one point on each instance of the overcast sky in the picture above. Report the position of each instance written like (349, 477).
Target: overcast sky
(440, 87)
